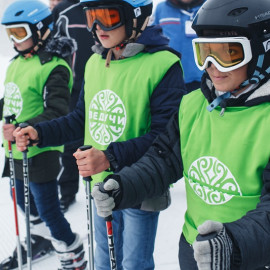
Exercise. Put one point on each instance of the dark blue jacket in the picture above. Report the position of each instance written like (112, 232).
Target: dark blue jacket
(164, 102)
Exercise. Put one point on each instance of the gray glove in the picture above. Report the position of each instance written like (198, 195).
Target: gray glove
(213, 247)
(101, 194)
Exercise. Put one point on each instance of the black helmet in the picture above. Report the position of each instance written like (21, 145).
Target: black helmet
(249, 18)
(186, 6)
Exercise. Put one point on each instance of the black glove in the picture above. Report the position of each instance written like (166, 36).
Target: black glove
(107, 195)
(213, 247)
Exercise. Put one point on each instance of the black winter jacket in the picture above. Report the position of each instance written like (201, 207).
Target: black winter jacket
(162, 165)
(69, 21)
(56, 95)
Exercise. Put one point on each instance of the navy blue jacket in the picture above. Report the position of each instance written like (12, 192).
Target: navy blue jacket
(164, 102)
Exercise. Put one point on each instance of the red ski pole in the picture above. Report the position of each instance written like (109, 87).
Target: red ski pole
(111, 242)
(8, 120)
(109, 226)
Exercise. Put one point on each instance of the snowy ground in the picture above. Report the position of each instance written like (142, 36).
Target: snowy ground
(169, 228)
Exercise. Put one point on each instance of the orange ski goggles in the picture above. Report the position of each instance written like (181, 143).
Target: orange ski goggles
(108, 18)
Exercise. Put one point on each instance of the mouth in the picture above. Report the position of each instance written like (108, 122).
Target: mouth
(103, 37)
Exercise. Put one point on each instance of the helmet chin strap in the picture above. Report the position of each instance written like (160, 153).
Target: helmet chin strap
(135, 34)
(32, 50)
(258, 74)
(41, 39)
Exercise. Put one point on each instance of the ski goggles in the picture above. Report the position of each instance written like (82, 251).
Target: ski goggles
(226, 54)
(108, 18)
(18, 32)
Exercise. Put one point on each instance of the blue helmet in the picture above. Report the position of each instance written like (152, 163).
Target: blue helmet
(136, 13)
(33, 12)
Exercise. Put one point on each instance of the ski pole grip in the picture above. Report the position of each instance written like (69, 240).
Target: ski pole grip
(10, 118)
(205, 237)
(83, 148)
(31, 142)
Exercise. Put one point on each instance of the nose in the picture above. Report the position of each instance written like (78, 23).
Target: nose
(98, 27)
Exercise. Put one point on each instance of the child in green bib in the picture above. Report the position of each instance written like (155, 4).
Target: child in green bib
(218, 143)
(37, 88)
(133, 85)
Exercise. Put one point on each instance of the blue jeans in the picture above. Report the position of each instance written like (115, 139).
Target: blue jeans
(44, 203)
(134, 234)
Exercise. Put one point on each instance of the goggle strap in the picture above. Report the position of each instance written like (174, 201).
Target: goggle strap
(217, 101)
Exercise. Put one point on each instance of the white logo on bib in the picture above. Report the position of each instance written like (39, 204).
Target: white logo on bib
(212, 181)
(12, 100)
(107, 117)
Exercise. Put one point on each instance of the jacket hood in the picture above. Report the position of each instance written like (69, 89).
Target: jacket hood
(61, 46)
(151, 40)
(257, 94)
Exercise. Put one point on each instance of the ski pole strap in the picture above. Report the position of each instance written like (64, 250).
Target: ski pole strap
(83, 148)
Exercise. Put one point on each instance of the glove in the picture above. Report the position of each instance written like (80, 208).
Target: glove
(105, 195)
(213, 247)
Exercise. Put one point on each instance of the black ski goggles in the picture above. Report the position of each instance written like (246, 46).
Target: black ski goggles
(107, 17)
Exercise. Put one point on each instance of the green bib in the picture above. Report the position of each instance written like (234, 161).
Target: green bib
(23, 95)
(117, 99)
(222, 170)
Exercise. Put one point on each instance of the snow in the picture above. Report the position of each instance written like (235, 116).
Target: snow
(170, 221)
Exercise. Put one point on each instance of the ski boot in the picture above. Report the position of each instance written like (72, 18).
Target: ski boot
(41, 248)
(70, 257)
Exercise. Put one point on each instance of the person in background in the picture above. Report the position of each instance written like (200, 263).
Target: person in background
(133, 85)
(53, 3)
(69, 21)
(37, 88)
(175, 17)
(219, 143)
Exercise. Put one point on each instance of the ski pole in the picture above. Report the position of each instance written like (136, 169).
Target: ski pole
(27, 204)
(89, 214)
(110, 241)
(8, 120)
(109, 227)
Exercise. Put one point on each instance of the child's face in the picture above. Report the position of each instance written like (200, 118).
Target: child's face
(227, 81)
(110, 39)
(24, 45)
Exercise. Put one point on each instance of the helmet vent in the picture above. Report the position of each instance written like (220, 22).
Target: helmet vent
(237, 11)
(19, 13)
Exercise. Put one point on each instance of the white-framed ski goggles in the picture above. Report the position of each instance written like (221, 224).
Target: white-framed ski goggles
(227, 54)
(18, 32)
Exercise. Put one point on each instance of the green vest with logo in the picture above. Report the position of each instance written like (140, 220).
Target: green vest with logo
(222, 170)
(24, 85)
(117, 99)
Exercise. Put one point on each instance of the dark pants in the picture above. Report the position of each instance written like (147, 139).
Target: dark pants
(185, 255)
(68, 179)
